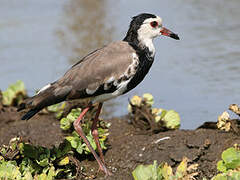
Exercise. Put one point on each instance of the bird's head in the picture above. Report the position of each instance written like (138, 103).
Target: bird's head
(144, 27)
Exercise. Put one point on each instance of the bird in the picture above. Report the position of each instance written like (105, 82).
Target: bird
(103, 74)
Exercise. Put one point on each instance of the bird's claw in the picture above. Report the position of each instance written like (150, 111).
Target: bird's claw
(105, 170)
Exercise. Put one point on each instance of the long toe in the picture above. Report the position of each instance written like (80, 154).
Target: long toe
(107, 173)
(105, 170)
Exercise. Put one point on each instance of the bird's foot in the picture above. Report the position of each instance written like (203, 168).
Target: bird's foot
(105, 170)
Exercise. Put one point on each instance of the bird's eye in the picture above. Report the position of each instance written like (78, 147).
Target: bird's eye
(154, 24)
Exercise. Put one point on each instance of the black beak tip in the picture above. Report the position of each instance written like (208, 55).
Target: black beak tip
(174, 36)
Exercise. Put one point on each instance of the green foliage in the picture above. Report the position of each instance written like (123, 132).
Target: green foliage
(14, 94)
(147, 172)
(76, 142)
(21, 161)
(168, 119)
(171, 119)
(229, 165)
(67, 122)
(230, 175)
(230, 160)
(58, 109)
(9, 170)
(164, 171)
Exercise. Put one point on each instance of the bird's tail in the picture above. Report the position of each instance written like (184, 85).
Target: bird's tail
(30, 114)
(45, 98)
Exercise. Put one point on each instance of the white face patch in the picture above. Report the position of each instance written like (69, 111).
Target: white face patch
(44, 88)
(146, 33)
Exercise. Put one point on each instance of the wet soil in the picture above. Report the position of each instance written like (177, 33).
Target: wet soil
(127, 146)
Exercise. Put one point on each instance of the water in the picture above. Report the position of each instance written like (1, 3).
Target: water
(197, 76)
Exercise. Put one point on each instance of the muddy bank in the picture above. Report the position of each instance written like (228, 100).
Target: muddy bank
(127, 147)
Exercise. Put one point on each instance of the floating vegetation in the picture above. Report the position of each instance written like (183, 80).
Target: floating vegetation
(58, 109)
(76, 142)
(226, 123)
(147, 118)
(165, 172)
(20, 160)
(14, 94)
(229, 166)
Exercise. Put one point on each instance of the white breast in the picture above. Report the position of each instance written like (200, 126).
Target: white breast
(120, 90)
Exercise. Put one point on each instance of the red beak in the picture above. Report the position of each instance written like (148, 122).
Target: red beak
(167, 32)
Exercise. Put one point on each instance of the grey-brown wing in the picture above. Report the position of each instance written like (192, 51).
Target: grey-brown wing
(92, 72)
(98, 67)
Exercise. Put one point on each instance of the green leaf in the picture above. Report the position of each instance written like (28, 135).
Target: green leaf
(221, 167)
(74, 114)
(57, 109)
(9, 170)
(27, 176)
(146, 172)
(182, 168)
(43, 162)
(148, 98)
(136, 101)
(14, 93)
(92, 142)
(65, 124)
(27, 166)
(51, 173)
(172, 119)
(42, 176)
(166, 171)
(8, 97)
(235, 175)
(74, 141)
(220, 177)
(64, 161)
(64, 148)
(30, 151)
(37, 161)
(231, 158)
(80, 148)
(163, 113)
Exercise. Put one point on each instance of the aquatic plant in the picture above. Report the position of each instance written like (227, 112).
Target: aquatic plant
(14, 94)
(229, 166)
(143, 114)
(165, 172)
(58, 109)
(226, 123)
(76, 142)
(20, 160)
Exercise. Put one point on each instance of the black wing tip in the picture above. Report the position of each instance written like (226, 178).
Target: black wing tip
(30, 114)
(21, 107)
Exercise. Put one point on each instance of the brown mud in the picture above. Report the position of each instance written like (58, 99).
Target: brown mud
(127, 146)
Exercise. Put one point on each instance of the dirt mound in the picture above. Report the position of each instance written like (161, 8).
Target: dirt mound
(127, 146)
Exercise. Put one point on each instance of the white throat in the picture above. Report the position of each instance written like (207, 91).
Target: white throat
(147, 42)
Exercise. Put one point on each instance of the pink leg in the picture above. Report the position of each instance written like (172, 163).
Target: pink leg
(95, 132)
(78, 128)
